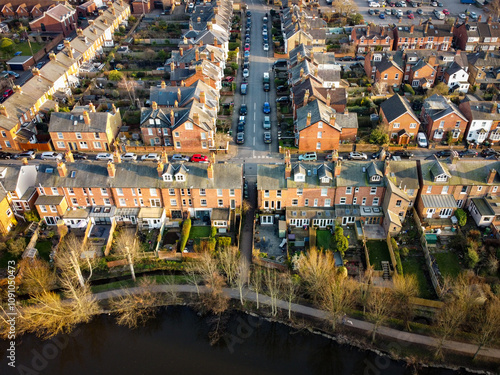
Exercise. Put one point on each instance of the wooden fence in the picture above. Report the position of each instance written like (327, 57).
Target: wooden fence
(391, 251)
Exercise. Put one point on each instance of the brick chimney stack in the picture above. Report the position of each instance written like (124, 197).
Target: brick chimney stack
(17, 89)
(197, 54)
(426, 27)
(181, 51)
(176, 104)
(111, 169)
(338, 167)
(110, 5)
(163, 84)
(179, 95)
(52, 56)
(164, 157)
(68, 156)
(367, 31)
(491, 176)
(35, 71)
(488, 20)
(91, 107)
(210, 171)
(412, 29)
(86, 118)
(56, 107)
(212, 56)
(196, 118)
(301, 72)
(479, 18)
(61, 169)
(117, 157)
(172, 66)
(79, 32)
(172, 118)
(154, 105)
(113, 108)
(386, 168)
(306, 97)
(494, 107)
(203, 97)
(159, 168)
(3, 111)
(346, 111)
(328, 99)
(308, 121)
(25, 161)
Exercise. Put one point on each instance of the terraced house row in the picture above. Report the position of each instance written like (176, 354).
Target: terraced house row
(376, 193)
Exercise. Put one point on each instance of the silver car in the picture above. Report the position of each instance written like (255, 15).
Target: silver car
(150, 157)
(104, 156)
(129, 156)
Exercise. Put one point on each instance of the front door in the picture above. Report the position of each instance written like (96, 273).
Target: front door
(430, 212)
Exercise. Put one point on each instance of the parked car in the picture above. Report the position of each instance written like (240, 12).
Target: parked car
(467, 154)
(473, 16)
(488, 152)
(240, 128)
(198, 158)
(266, 108)
(244, 88)
(79, 156)
(246, 73)
(446, 12)
(39, 65)
(7, 93)
(376, 155)
(411, 16)
(308, 156)
(355, 155)
(5, 155)
(420, 12)
(283, 99)
(374, 5)
(240, 138)
(422, 140)
(381, 16)
(26, 154)
(264, 32)
(247, 47)
(266, 124)
(129, 156)
(371, 12)
(150, 157)
(14, 74)
(51, 156)
(266, 47)
(60, 47)
(243, 110)
(267, 87)
(403, 154)
(267, 137)
(104, 156)
(282, 88)
(444, 153)
(229, 79)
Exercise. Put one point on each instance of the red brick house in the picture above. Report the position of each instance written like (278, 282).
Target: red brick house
(36, 11)
(440, 117)
(383, 69)
(60, 18)
(86, 9)
(478, 36)
(316, 128)
(7, 10)
(187, 129)
(22, 11)
(426, 35)
(422, 74)
(372, 38)
(140, 6)
(84, 130)
(400, 119)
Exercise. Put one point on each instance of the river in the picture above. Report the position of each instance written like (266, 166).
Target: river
(177, 342)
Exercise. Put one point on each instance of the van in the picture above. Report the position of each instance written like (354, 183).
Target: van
(439, 15)
(266, 78)
(308, 156)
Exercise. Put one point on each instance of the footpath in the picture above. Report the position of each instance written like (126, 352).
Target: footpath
(408, 337)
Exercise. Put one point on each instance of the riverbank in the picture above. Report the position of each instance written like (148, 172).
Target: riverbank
(399, 345)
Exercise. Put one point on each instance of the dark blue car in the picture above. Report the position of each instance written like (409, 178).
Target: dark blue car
(382, 16)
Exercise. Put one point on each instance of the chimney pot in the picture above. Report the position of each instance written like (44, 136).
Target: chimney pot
(61, 169)
(308, 121)
(338, 167)
(111, 169)
(117, 157)
(154, 105)
(210, 170)
(202, 97)
(159, 168)
(68, 156)
(86, 118)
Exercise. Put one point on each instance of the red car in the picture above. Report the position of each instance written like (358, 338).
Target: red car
(229, 79)
(247, 47)
(411, 16)
(198, 158)
(446, 12)
(7, 93)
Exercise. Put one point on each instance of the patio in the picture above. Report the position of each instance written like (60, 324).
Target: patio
(374, 232)
(266, 240)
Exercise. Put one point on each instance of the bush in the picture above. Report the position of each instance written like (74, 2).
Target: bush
(408, 88)
(378, 137)
(31, 216)
(115, 75)
(213, 232)
(186, 229)
(223, 242)
(233, 46)
(461, 216)
(16, 247)
(472, 258)
(399, 265)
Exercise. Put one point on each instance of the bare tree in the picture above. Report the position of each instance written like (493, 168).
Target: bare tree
(289, 288)
(405, 288)
(256, 280)
(37, 277)
(128, 246)
(273, 289)
(379, 306)
(135, 309)
(243, 273)
(316, 269)
(494, 8)
(70, 256)
(336, 297)
(486, 324)
(229, 261)
(365, 287)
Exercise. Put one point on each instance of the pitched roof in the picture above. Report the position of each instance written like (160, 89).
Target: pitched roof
(404, 174)
(170, 94)
(438, 201)
(318, 111)
(354, 173)
(482, 110)
(438, 106)
(100, 122)
(395, 107)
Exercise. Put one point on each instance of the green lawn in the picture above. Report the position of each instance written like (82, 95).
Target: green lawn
(448, 263)
(25, 49)
(323, 239)
(378, 252)
(415, 266)
(197, 232)
(44, 249)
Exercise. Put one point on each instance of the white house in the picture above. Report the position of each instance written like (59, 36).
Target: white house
(481, 116)
(456, 78)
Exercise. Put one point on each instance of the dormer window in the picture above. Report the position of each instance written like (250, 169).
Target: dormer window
(441, 178)
(299, 177)
(325, 180)
(180, 177)
(167, 177)
(375, 178)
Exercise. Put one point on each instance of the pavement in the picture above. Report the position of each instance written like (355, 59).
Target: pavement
(411, 338)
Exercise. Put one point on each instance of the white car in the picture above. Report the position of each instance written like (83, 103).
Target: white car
(60, 47)
(51, 156)
(246, 73)
(266, 47)
(354, 155)
(129, 156)
(104, 156)
(264, 32)
(374, 5)
(421, 140)
(150, 157)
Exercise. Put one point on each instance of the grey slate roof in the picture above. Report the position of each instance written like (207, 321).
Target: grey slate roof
(438, 106)
(318, 111)
(73, 122)
(438, 201)
(140, 175)
(395, 107)
(170, 94)
(354, 173)
(347, 120)
(404, 174)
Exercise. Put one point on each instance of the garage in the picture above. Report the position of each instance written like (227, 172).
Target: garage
(21, 62)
